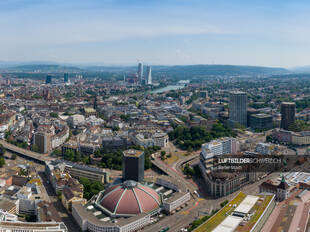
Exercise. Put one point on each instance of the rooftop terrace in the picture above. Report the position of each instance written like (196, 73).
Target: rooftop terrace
(240, 214)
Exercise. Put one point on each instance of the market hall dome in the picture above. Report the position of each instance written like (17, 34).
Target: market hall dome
(130, 198)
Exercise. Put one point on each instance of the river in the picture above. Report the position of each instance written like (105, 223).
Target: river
(168, 88)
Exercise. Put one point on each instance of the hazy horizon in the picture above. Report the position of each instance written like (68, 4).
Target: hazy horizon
(159, 32)
(89, 64)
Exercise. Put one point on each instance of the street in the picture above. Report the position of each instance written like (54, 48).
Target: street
(63, 214)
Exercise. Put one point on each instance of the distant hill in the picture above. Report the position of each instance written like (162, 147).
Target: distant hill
(295, 75)
(190, 71)
(304, 69)
(42, 68)
(176, 72)
(112, 68)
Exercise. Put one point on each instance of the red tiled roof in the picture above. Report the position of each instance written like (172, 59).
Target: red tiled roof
(130, 198)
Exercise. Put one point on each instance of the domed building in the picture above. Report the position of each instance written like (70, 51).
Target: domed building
(129, 206)
(129, 198)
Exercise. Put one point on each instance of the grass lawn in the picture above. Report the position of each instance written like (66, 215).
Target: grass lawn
(171, 160)
(216, 219)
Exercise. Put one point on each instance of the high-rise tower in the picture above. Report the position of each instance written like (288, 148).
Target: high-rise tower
(48, 79)
(133, 165)
(140, 73)
(238, 104)
(66, 77)
(287, 114)
(148, 78)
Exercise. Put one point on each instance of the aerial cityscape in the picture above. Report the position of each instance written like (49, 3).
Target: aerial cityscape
(154, 116)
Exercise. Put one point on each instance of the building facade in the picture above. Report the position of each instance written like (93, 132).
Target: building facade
(287, 114)
(43, 141)
(238, 104)
(148, 75)
(133, 165)
(281, 191)
(260, 121)
(140, 72)
(221, 184)
(66, 77)
(221, 146)
(48, 79)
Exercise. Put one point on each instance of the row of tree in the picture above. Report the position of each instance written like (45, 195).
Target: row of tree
(91, 187)
(112, 159)
(191, 138)
(2, 160)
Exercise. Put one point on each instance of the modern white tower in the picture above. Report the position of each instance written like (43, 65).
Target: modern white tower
(148, 75)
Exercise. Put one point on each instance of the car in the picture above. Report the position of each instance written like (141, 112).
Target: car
(164, 229)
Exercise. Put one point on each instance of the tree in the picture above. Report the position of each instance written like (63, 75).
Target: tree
(56, 152)
(268, 138)
(91, 187)
(192, 138)
(22, 145)
(78, 157)
(59, 195)
(69, 155)
(30, 218)
(125, 117)
(2, 150)
(188, 171)
(34, 148)
(13, 157)
(115, 128)
(299, 125)
(224, 203)
(2, 162)
(54, 114)
(7, 134)
(22, 172)
(147, 162)
(162, 155)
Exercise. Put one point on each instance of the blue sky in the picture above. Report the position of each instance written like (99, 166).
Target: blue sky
(266, 33)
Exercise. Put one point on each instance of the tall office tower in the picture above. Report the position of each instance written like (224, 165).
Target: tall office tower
(43, 141)
(140, 73)
(66, 77)
(48, 79)
(148, 78)
(133, 165)
(287, 114)
(238, 104)
(95, 103)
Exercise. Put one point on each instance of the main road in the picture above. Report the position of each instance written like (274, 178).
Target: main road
(40, 158)
(175, 175)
